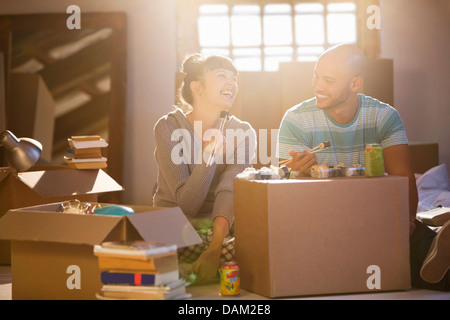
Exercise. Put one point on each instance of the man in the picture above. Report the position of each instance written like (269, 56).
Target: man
(349, 120)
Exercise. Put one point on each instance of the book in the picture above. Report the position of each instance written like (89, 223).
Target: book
(88, 165)
(165, 292)
(75, 160)
(139, 270)
(86, 138)
(84, 153)
(133, 245)
(163, 263)
(129, 278)
(84, 144)
(137, 256)
(435, 217)
(141, 250)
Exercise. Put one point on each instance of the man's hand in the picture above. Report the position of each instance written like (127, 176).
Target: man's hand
(302, 161)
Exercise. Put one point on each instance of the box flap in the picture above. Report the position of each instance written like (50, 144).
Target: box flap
(45, 223)
(167, 225)
(4, 172)
(58, 227)
(56, 183)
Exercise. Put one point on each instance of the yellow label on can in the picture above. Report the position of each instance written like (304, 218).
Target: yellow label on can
(229, 279)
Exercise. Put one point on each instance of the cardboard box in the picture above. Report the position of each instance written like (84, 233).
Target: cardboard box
(53, 251)
(49, 184)
(327, 236)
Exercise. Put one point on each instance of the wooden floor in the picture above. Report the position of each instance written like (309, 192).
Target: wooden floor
(212, 292)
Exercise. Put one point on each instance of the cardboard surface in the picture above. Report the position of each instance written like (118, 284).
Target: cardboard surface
(57, 183)
(55, 241)
(49, 184)
(309, 237)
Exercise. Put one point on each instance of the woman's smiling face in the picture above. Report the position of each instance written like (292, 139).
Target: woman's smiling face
(219, 87)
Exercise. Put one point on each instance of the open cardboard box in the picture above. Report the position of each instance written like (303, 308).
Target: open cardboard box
(47, 184)
(47, 246)
(322, 236)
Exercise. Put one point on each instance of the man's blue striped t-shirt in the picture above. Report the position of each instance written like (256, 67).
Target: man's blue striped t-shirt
(305, 126)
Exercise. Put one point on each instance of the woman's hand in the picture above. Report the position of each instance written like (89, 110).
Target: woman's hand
(208, 263)
(216, 146)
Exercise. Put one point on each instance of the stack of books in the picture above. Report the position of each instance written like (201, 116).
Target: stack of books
(435, 217)
(139, 270)
(85, 152)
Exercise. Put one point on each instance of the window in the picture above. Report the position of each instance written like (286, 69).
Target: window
(259, 36)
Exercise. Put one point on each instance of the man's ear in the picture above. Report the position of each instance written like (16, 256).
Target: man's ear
(357, 84)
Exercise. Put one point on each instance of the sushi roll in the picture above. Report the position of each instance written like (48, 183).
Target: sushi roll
(294, 174)
(355, 170)
(319, 171)
(315, 172)
(265, 175)
(339, 170)
(360, 170)
(284, 172)
(325, 144)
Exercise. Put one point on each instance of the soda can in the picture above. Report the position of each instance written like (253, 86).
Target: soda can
(374, 159)
(229, 279)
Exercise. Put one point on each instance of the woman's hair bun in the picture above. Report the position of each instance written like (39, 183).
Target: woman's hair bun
(190, 63)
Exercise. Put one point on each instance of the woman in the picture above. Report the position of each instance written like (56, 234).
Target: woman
(185, 140)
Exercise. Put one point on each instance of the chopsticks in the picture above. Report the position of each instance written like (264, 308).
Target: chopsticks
(223, 119)
(322, 146)
(284, 162)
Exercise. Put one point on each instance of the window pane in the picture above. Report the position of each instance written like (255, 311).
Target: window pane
(277, 9)
(276, 51)
(213, 31)
(341, 27)
(246, 25)
(246, 30)
(310, 50)
(245, 52)
(273, 63)
(248, 64)
(309, 53)
(307, 58)
(220, 9)
(309, 8)
(309, 29)
(248, 59)
(341, 7)
(220, 51)
(245, 10)
(277, 30)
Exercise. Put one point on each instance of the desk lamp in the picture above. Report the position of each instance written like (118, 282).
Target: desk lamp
(21, 153)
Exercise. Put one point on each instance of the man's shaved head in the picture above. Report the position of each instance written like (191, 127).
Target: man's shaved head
(348, 56)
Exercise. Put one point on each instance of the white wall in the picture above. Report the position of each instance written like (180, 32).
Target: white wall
(151, 65)
(416, 35)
